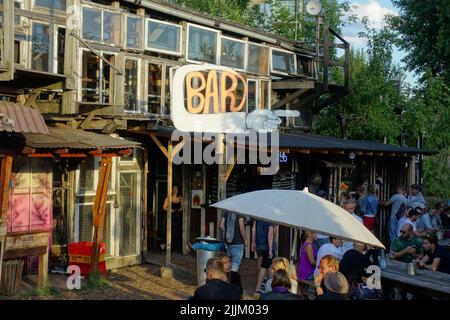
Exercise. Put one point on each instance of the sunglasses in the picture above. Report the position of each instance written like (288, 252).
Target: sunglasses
(402, 232)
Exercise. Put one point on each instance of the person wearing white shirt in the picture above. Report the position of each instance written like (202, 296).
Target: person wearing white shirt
(329, 249)
(412, 218)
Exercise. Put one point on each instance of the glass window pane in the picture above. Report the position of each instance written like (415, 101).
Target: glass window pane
(107, 76)
(202, 45)
(232, 54)
(258, 59)
(134, 32)
(86, 178)
(283, 61)
(92, 20)
(90, 77)
(86, 230)
(154, 88)
(60, 49)
(54, 4)
(252, 96)
(128, 213)
(265, 96)
(40, 47)
(131, 85)
(161, 36)
(111, 28)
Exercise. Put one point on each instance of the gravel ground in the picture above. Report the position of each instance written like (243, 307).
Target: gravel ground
(142, 282)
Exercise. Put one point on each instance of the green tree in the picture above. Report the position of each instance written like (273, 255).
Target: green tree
(423, 29)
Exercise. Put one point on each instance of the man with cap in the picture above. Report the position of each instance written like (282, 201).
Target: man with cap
(337, 287)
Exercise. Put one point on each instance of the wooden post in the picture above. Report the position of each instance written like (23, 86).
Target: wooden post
(5, 178)
(203, 210)
(98, 214)
(8, 39)
(186, 207)
(326, 55)
(222, 187)
(169, 209)
(145, 202)
(43, 270)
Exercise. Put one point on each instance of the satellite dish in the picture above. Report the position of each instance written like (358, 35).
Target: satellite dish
(313, 7)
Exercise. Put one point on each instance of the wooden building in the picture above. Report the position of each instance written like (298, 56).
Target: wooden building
(107, 66)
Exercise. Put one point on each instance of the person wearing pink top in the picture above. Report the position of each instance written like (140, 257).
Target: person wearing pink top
(308, 257)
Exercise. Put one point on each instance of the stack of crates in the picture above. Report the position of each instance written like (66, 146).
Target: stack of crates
(80, 255)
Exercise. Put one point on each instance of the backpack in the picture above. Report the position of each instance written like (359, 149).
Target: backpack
(400, 212)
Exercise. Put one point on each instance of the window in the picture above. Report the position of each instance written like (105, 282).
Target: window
(154, 88)
(129, 212)
(232, 53)
(92, 24)
(86, 227)
(202, 44)
(134, 32)
(60, 43)
(96, 77)
(265, 94)
(283, 61)
(40, 50)
(163, 37)
(111, 28)
(258, 59)
(101, 26)
(52, 4)
(131, 85)
(252, 95)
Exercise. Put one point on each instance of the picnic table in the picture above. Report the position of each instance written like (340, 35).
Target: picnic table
(445, 243)
(424, 282)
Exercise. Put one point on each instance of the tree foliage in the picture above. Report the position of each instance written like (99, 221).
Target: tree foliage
(423, 29)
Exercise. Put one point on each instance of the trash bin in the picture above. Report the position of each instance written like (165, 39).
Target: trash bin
(11, 277)
(206, 248)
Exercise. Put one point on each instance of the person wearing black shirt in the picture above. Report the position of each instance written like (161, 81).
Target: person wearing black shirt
(216, 287)
(436, 257)
(354, 264)
(281, 284)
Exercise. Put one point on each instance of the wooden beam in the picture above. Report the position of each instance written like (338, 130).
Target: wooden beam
(5, 178)
(40, 155)
(230, 168)
(8, 40)
(99, 210)
(292, 84)
(320, 151)
(289, 98)
(40, 16)
(87, 120)
(169, 209)
(326, 56)
(43, 270)
(73, 155)
(96, 152)
(379, 154)
(338, 151)
(177, 148)
(126, 152)
(28, 150)
(61, 151)
(368, 153)
(359, 153)
(160, 145)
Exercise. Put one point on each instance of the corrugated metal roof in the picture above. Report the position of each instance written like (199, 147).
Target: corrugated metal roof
(75, 139)
(20, 119)
(311, 141)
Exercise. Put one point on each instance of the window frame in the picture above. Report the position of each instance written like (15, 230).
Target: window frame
(146, 35)
(80, 72)
(257, 93)
(125, 29)
(36, 6)
(268, 58)
(138, 92)
(268, 80)
(50, 45)
(102, 41)
(281, 72)
(245, 52)
(218, 46)
(92, 192)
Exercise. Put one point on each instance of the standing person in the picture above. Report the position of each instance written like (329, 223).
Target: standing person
(234, 236)
(370, 209)
(415, 198)
(411, 218)
(216, 286)
(398, 204)
(436, 257)
(308, 257)
(262, 242)
(361, 193)
(349, 205)
(177, 215)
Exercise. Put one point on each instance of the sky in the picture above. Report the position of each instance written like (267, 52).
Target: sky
(375, 10)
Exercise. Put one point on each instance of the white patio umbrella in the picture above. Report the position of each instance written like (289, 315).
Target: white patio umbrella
(300, 209)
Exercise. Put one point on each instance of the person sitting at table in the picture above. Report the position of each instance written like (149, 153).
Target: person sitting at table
(411, 218)
(337, 287)
(436, 257)
(406, 247)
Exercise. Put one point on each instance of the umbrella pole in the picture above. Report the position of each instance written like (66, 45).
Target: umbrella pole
(294, 247)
